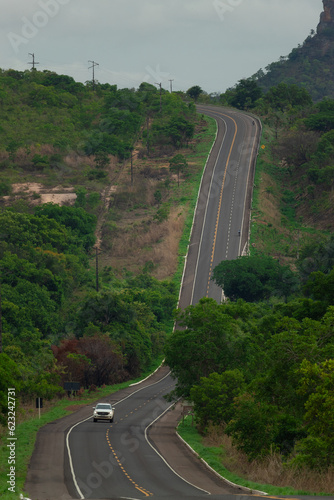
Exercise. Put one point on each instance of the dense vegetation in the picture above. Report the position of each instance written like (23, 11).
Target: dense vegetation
(260, 366)
(45, 107)
(309, 66)
(60, 322)
(44, 265)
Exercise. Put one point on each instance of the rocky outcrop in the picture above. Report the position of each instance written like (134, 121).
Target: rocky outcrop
(310, 65)
(327, 18)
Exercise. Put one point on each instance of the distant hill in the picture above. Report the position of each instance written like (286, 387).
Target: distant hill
(311, 65)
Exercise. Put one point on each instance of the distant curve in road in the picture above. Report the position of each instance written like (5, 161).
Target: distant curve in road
(221, 221)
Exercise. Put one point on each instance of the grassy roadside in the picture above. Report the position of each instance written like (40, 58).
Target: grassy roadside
(276, 229)
(214, 457)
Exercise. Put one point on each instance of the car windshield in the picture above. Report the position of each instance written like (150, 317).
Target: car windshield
(103, 406)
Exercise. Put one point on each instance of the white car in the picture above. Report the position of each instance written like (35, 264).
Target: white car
(103, 411)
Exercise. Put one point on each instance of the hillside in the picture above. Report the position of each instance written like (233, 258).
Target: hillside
(310, 65)
(91, 218)
(65, 143)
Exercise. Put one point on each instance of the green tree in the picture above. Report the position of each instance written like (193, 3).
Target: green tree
(179, 130)
(113, 313)
(317, 257)
(101, 159)
(254, 278)
(245, 94)
(75, 218)
(254, 426)
(211, 342)
(214, 396)
(10, 377)
(323, 117)
(284, 96)
(12, 148)
(317, 383)
(320, 286)
(194, 92)
(178, 164)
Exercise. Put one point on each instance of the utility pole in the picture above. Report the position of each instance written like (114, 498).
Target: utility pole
(148, 134)
(160, 85)
(33, 63)
(93, 66)
(171, 86)
(131, 168)
(0, 322)
(97, 268)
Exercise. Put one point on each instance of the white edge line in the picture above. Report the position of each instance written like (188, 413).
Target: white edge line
(70, 459)
(162, 458)
(251, 158)
(144, 379)
(256, 147)
(244, 488)
(193, 222)
(81, 496)
(208, 199)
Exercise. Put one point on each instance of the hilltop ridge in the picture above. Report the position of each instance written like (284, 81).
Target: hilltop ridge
(310, 65)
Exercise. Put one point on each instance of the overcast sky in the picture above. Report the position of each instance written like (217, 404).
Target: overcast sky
(211, 43)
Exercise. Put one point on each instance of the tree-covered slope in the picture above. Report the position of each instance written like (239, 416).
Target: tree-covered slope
(59, 320)
(310, 65)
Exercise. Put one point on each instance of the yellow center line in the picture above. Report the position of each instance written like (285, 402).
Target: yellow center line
(220, 201)
(141, 489)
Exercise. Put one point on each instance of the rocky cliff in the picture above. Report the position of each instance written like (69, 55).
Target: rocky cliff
(311, 65)
(327, 17)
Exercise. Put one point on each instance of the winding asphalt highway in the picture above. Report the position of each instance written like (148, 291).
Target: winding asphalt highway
(77, 458)
(221, 222)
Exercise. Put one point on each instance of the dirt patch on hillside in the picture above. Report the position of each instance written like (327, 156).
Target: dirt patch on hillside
(38, 194)
(138, 243)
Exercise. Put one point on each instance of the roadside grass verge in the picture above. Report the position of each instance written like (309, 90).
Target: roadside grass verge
(215, 456)
(276, 230)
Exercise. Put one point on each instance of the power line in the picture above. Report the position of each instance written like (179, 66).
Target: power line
(33, 61)
(93, 66)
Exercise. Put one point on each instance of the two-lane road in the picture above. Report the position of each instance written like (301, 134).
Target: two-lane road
(117, 460)
(221, 222)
